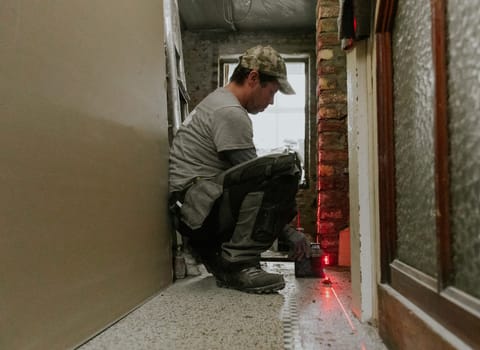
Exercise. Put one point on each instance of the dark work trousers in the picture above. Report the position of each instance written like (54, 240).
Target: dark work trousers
(245, 220)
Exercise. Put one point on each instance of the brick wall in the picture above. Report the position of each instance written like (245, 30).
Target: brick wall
(332, 185)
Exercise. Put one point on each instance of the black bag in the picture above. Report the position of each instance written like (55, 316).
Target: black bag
(275, 174)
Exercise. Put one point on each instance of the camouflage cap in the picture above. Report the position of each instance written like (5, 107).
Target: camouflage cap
(268, 61)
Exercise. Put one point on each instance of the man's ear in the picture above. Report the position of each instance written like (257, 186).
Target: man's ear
(253, 78)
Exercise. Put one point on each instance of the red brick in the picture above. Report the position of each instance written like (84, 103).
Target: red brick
(323, 89)
(327, 228)
(332, 111)
(332, 125)
(327, 83)
(331, 214)
(328, 113)
(329, 11)
(329, 241)
(327, 25)
(326, 183)
(331, 155)
(328, 97)
(332, 141)
(332, 199)
(324, 54)
(324, 69)
(335, 183)
(325, 40)
(326, 170)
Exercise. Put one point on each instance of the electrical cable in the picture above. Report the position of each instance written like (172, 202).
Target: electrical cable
(229, 18)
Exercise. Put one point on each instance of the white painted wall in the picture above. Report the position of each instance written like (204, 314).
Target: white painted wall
(362, 150)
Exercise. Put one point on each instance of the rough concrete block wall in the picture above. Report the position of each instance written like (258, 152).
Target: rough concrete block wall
(332, 207)
(201, 51)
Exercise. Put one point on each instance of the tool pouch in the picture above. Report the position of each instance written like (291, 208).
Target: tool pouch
(198, 202)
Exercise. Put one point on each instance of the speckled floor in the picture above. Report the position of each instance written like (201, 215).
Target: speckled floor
(194, 313)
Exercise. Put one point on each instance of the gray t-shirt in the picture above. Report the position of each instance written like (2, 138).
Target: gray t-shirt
(219, 123)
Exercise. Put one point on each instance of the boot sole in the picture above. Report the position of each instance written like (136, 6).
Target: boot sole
(273, 288)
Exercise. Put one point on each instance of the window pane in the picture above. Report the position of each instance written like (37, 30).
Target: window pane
(282, 125)
(464, 123)
(414, 150)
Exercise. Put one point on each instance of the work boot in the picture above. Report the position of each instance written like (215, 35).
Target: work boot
(252, 280)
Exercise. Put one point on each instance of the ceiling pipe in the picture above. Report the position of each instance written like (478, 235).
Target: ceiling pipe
(170, 9)
(228, 14)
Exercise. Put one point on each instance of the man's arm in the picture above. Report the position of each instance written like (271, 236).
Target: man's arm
(238, 156)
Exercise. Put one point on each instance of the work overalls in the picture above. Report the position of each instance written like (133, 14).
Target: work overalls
(231, 219)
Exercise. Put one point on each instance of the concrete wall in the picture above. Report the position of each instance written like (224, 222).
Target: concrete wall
(201, 51)
(83, 167)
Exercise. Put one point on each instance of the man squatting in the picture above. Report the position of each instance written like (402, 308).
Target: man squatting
(230, 204)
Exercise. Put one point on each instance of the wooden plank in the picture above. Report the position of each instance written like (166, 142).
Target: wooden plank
(444, 238)
(386, 145)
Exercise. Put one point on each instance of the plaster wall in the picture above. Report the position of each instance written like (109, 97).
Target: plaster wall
(84, 236)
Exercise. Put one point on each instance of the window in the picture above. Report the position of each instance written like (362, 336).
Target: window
(282, 126)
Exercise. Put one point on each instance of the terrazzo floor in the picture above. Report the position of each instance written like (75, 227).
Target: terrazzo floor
(194, 313)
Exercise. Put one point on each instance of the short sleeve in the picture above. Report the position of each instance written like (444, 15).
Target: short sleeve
(232, 129)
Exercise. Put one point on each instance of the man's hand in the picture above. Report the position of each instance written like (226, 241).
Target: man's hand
(299, 247)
